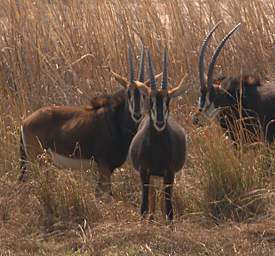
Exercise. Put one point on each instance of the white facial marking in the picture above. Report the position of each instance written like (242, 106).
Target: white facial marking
(131, 103)
(159, 129)
(154, 110)
(154, 114)
(70, 163)
(135, 119)
(209, 109)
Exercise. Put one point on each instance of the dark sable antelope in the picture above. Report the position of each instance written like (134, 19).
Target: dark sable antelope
(236, 100)
(159, 147)
(76, 135)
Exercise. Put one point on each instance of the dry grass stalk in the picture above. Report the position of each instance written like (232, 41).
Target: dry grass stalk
(56, 52)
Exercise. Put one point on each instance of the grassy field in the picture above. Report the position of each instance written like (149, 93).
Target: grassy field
(57, 52)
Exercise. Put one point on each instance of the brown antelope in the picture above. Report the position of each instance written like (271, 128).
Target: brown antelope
(75, 135)
(159, 147)
(224, 95)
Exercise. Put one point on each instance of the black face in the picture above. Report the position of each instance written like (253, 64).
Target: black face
(135, 103)
(159, 109)
(223, 94)
(227, 93)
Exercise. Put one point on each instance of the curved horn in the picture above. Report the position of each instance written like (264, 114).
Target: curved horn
(131, 65)
(141, 66)
(151, 72)
(201, 56)
(164, 81)
(215, 56)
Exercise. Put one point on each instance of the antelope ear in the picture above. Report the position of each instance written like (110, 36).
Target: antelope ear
(147, 82)
(143, 88)
(175, 92)
(120, 79)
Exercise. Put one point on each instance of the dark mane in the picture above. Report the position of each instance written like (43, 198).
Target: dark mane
(246, 80)
(112, 100)
(251, 81)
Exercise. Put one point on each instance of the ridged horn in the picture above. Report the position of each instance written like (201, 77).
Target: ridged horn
(131, 65)
(215, 57)
(141, 66)
(151, 72)
(201, 56)
(164, 81)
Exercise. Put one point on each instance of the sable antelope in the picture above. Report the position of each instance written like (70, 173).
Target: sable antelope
(235, 99)
(102, 131)
(159, 147)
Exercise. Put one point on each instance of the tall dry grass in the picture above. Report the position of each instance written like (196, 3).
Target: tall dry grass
(58, 52)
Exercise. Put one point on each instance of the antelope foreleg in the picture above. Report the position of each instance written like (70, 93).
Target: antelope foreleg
(104, 181)
(145, 193)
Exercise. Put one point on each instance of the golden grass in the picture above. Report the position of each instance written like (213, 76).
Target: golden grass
(58, 52)
(234, 181)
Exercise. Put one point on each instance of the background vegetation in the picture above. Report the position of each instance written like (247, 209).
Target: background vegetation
(57, 52)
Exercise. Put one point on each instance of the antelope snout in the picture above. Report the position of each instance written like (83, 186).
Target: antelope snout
(160, 124)
(137, 117)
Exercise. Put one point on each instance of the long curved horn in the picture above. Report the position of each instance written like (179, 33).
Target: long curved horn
(215, 56)
(201, 56)
(164, 81)
(131, 65)
(141, 66)
(151, 72)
